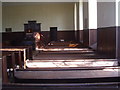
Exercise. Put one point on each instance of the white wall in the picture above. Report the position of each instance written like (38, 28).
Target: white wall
(85, 15)
(60, 15)
(75, 16)
(119, 13)
(0, 16)
(92, 14)
(0, 44)
(80, 15)
(106, 14)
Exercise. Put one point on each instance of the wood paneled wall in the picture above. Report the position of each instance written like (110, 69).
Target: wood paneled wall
(118, 41)
(12, 35)
(89, 37)
(86, 37)
(92, 37)
(79, 37)
(106, 41)
(66, 35)
(11, 38)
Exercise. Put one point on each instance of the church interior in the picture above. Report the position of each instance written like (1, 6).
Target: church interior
(60, 45)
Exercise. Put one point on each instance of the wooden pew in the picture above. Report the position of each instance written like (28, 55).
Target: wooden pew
(61, 73)
(11, 62)
(8, 65)
(72, 79)
(28, 50)
(67, 76)
(61, 78)
(66, 64)
(20, 55)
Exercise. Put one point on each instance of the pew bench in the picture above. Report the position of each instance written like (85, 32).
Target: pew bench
(63, 77)
(8, 66)
(23, 53)
(28, 50)
(77, 63)
(48, 71)
(106, 74)
(11, 59)
(21, 58)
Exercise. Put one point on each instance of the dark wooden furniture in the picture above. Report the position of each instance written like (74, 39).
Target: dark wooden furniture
(28, 50)
(12, 38)
(56, 78)
(18, 56)
(8, 65)
(30, 28)
(21, 54)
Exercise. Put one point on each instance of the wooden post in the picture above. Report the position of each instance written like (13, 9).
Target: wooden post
(20, 59)
(4, 70)
(13, 60)
(24, 58)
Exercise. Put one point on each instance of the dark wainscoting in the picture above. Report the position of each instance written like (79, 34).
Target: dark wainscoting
(92, 37)
(15, 38)
(46, 37)
(86, 37)
(65, 35)
(106, 41)
(79, 37)
(118, 40)
(89, 36)
(12, 38)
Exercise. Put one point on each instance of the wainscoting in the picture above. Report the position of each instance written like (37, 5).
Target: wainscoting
(92, 36)
(79, 36)
(11, 38)
(118, 40)
(61, 35)
(86, 37)
(106, 41)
